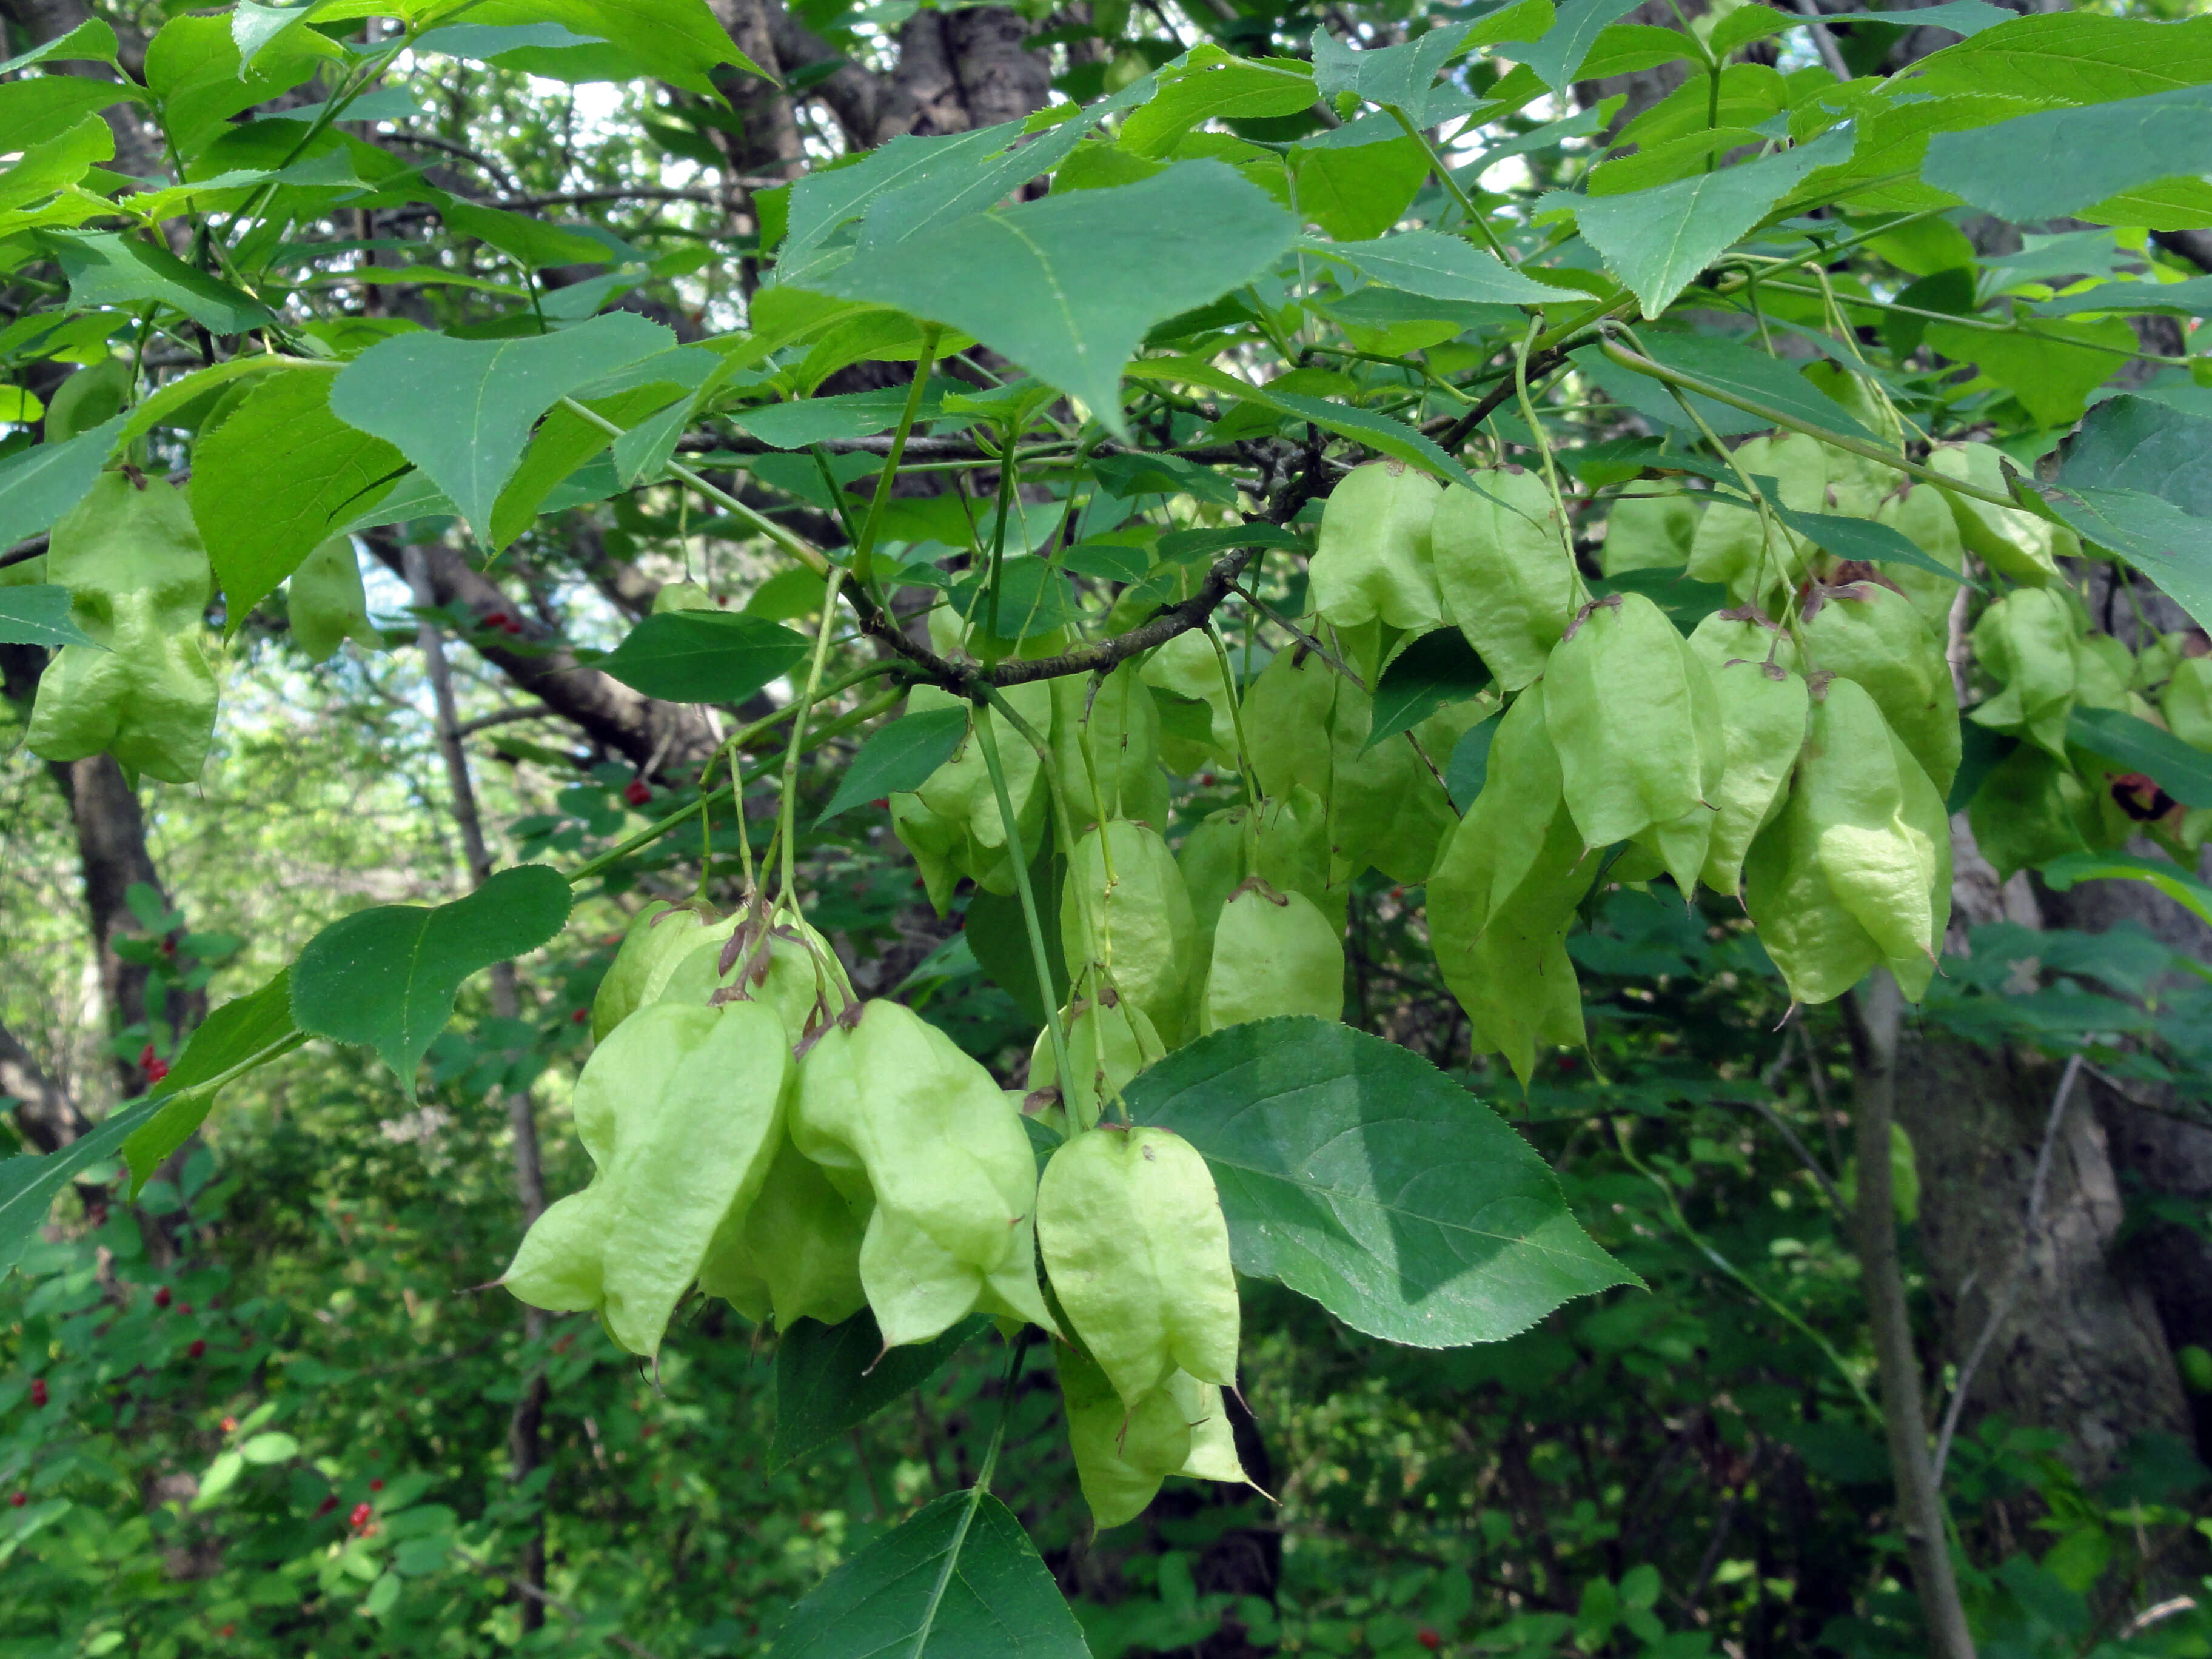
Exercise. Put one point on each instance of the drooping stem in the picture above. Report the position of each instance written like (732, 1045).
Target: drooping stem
(1041, 961)
(787, 826)
(863, 548)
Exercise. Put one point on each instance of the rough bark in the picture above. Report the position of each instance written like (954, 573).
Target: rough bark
(2080, 1349)
(661, 739)
(44, 1115)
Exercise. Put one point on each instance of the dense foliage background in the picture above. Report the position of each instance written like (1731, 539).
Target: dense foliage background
(270, 1406)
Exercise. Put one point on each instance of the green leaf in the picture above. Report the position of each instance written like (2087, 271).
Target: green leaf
(1855, 539)
(703, 656)
(829, 1378)
(273, 1447)
(1357, 1174)
(36, 108)
(678, 41)
(2073, 57)
(385, 978)
(1434, 671)
(92, 42)
(462, 410)
(276, 480)
(1557, 57)
(2133, 443)
(899, 757)
(1066, 287)
(1402, 77)
(2183, 772)
(39, 615)
(39, 484)
(232, 1034)
(1211, 541)
(28, 1183)
(2171, 547)
(2052, 370)
(1657, 241)
(1355, 192)
(2056, 162)
(1210, 86)
(1381, 432)
(530, 243)
(2191, 297)
(958, 1581)
(107, 269)
(63, 160)
(2170, 879)
(1443, 268)
(807, 421)
(1750, 373)
(1470, 764)
(175, 396)
(823, 202)
(1651, 399)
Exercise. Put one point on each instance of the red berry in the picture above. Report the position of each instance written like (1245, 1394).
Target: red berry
(197, 1348)
(229, 1424)
(1428, 1638)
(227, 1629)
(637, 791)
(162, 1297)
(376, 1485)
(38, 1391)
(183, 1307)
(328, 1505)
(359, 1518)
(511, 626)
(580, 1015)
(495, 619)
(16, 1500)
(152, 1064)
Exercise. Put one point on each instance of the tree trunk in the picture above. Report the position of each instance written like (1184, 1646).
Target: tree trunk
(1876, 1010)
(522, 1428)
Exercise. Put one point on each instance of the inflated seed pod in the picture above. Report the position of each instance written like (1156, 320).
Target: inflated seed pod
(1763, 707)
(1124, 910)
(658, 938)
(2030, 808)
(2187, 704)
(326, 603)
(1855, 484)
(1106, 742)
(1504, 895)
(795, 1252)
(1636, 727)
(1187, 667)
(2010, 540)
(682, 596)
(1109, 1040)
(1871, 633)
(1860, 790)
(2025, 642)
(1502, 572)
(959, 829)
(769, 959)
(1736, 548)
(1122, 1456)
(888, 1105)
(1922, 516)
(1273, 953)
(1649, 532)
(681, 1110)
(138, 581)
(1138, 1254)
(1373, 558)
(1819, 945)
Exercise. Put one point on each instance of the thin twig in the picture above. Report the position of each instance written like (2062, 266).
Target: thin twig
(635, 1650)
(502, 717)
(2001, 1307)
